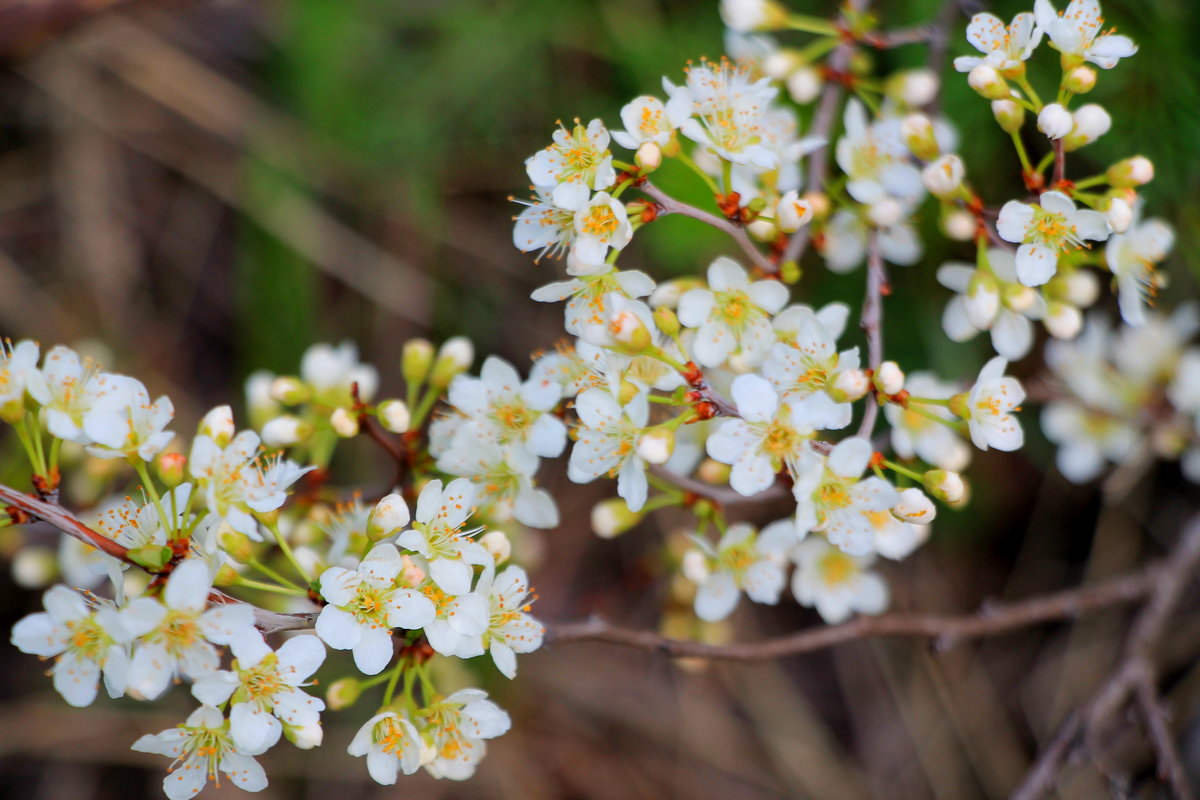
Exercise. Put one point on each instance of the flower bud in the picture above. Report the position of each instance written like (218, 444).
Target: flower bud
(171, 468)
(342, 693)
(415, 361)
(656, 445)
(694, 566)
(849, 386)
(804, 85)
(305, 737)
(779, 63)
(1063, 320)
(1055, 121)
(982, 300)
(959, 225)
(344, 423)
(626, 391)
(1010, 116)
(987, 82)
(914, 506)
(285, 431)
(497, 545)
(792, 213)
(789, 272)
(1135, 171)
(889, 378)
(259, 403)
(629, 332)
(945, 485)
(393, 416)
(915, 87)
(648, 157)
(713, 472)
(747, 16)
(34, 567)
(886, 212)
(235, 543)
(290, 390)
(1082, 288)
(943, 178)
(1119, 214)
(611, 518)
(762, 230)
(1091, 122)
(919, 138)
(387, 517)
(667, 321)
(218, 425)
(454, 357)
(1080, 80)
(1019, 298)
(226, 576)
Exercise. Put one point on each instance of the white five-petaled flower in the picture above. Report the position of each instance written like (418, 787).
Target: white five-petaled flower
(365, 605)
(1132, 257)
(995, 302)
(73, 386)
(607, 443)
(743, 560)
(1045, 231)
(732, 315)
(600, 223)
(577, 162)
(831, 496)
(730, 105)
(500, 407)
(510, 628)
(135, 525)
(1005, 48)
(264, 687)
(837, 583)
(1076, 32)
(125, 424)
(988, 405)
(19, 374)
(437, 535)
(503, 480)
(391, 744)
(915, 434)
(875, 159)
(648, 119)
(176, 635)
(458, 621)
(846, 236)
(201, 746)
(543, 226)
(455, 729)
(588, 297)
(769, 436)
(804, 367)
(1087, 438)
(84, 642)
(332, 372)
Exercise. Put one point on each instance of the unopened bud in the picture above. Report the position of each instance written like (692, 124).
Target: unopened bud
(779, 63)
(667, 321)
(342, 693)
(1080, 80)
(886, 212)
(387, 517)
(1135, 171)
(919, 138)
(627, 391)
(226, 576)
(762, 230)
(1091, 122)
(285, 431)
(656, 445)
(889, 378)
(713, 472)
(454, 358)
(497, 545)
(789, 272)
(344, 423)
(792, 213)
(171, 468)
(393, 416)
(915, 87)
(987, 82)
(695, 566)
(218, 425)
(1009, 115)
(943, 178)
(747, 16)
(914, 506)
(290, 390)
(849, 386)
(1019, 298)
(982, 300)
(611, 518)
(1063, 321)
(629, 332)
(1055, 121)
(945, 485)
(235, 543)
(34, 567)
(1119, 214)
(804, 84)
(305, 737)
(415, 361)
(648, 156)
(1082, 288)
(959, 225)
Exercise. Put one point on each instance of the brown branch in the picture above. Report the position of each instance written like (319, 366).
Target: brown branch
(872, 324)
(670, 205)
(64, 520)
(1136, 666)
(1162, 742)
(944, 630)
(1060, 162)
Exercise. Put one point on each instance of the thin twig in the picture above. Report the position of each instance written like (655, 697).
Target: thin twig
(1170, 765)
(670, 205)
(945, 630)
(64, 520)
(872, 325)
(1060, 162)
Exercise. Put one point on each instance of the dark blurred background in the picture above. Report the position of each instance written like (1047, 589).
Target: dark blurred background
(204, 189)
